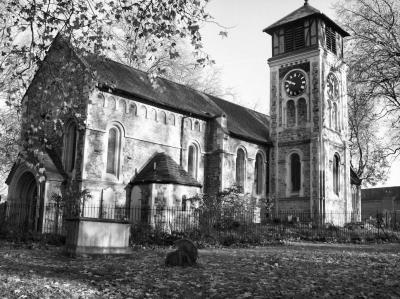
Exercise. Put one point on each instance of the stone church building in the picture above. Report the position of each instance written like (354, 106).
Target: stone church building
(146, 142)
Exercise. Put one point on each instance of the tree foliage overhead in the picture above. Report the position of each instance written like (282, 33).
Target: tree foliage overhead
(373, 56)
(369, 154)
(28, 29)
(32, 25)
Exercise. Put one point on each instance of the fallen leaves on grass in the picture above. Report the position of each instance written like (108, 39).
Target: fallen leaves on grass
(282, 271)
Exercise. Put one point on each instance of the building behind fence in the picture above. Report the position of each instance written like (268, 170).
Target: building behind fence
(376, 200)
(196, 222)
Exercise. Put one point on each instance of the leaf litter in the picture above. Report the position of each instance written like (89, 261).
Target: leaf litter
(298, 271)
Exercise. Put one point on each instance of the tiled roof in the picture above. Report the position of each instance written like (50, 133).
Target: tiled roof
(242, 122)
(245, 123)
(125, 79)
(303, 12)
(162, 169)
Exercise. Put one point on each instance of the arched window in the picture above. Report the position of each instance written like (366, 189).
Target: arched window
(162, 117)
(335, 174)
(196, 126)
(111, 103)
(259, 174)
(122, 106)
(101, 100)
(188, 124)
(335, 117)
(295, 172)
(302, 111)
(113, 150)
(240, 168)
(330, 114)
(192, 161)
(132, 108)
(291, 114)
(70, 142)
(143, 111)
(153, 114)
(171, 119)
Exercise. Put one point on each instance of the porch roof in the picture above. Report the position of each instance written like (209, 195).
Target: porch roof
(162, 169)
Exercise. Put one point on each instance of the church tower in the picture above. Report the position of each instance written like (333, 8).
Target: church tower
(310, 163)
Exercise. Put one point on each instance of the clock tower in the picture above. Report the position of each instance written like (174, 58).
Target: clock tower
(309, 163)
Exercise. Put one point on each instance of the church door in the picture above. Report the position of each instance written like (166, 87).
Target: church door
(31, 207)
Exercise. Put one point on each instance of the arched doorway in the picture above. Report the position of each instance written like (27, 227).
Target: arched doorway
(31, 209)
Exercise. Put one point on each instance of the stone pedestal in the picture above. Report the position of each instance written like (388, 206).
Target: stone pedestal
(97, 236)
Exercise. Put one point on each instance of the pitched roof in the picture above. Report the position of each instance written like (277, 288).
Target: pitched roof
(125, 79)
(303, 12)
(162, 169)
(242, 122)
(245, 123)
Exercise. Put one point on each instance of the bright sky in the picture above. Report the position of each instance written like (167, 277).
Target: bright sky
(242, 56)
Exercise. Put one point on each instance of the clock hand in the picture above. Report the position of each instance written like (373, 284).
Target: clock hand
(290, 82)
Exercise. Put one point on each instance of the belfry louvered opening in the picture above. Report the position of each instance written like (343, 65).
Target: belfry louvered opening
(331, 39)
(294, 38)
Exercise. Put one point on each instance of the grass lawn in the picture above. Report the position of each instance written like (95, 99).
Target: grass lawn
(292, 271)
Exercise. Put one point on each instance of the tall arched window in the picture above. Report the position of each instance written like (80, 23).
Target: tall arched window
(240, 168)
(192, 161)
(335, 117)
(302, 111)
(259, 174)
(113, 150)
(335, 174)
(70, 143)
(295, 172)
(291, 114)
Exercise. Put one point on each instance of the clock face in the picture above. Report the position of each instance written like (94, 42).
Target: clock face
(332, 86)
(295, 83)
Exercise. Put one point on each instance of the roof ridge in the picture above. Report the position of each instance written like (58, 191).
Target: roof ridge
(303, 12)
(179, 84)
(236, 104)
(310, 7)
(158, 77)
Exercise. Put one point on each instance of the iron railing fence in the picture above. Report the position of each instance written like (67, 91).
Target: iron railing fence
(254, 224)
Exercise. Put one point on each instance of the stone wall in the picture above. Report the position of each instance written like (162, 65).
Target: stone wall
(291, 138)
(59, 91)
(315, 141)
(58, 94)
(231, 146)
(213, 158)
(145, 130)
